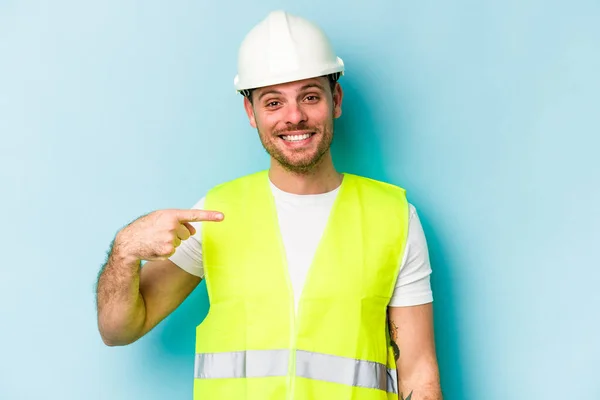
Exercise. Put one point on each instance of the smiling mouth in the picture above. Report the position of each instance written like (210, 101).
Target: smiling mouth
(296, 138)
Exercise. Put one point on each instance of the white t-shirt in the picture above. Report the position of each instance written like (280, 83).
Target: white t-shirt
(302, 220)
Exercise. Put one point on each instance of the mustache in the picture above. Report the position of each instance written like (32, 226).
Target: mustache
(295, 128)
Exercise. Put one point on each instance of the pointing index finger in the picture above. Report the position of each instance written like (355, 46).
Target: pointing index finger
(195, 215)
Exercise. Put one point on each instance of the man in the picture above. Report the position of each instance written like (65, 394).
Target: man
(318, 281)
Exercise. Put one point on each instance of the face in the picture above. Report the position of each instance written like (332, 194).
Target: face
(295, 121)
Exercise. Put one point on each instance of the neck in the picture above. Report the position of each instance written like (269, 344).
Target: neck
(322, 178)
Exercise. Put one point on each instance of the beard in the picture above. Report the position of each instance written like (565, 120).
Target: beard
(301, 161)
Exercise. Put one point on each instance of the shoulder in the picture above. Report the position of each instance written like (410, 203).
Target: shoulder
(376, 184)
(412, 212)
(380, 191)
(242, 182)
(224, 187)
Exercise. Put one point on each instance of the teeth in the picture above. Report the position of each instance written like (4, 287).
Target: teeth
(295, 138)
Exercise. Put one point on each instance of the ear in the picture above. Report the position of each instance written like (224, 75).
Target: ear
(338, 95)
(250, 112)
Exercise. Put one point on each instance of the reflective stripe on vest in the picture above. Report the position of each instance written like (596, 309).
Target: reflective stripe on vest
(242, 364)
(324, 367)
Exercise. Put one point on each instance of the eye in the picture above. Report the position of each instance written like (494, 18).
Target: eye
(312, 98)
(272, 104)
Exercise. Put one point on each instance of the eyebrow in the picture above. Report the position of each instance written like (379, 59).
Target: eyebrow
(311, 85)
(307, 86)
(268, 92)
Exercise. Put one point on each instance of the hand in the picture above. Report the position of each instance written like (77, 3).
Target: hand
(155, 236)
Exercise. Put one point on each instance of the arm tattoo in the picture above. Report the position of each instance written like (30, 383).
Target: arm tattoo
(393, 338)
(407, 398)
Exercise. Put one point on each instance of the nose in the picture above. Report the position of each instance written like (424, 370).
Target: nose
(295, 114)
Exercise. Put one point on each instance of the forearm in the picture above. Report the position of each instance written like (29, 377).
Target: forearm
(412, 338)
(422, 384)
(121, 308)
(424, 392)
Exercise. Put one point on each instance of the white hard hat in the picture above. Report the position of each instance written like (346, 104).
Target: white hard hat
(284, 48)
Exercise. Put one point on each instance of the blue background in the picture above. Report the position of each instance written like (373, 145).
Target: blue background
(486, 112)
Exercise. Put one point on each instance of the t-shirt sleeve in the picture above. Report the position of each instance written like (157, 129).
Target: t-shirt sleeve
(188, 255)
(413, 285)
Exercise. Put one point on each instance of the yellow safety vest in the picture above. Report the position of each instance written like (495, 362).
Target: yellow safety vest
(252, 345)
